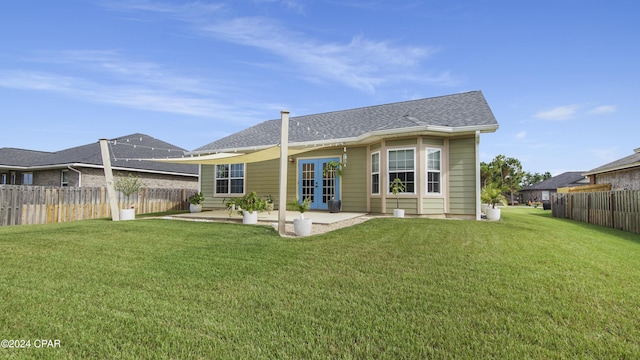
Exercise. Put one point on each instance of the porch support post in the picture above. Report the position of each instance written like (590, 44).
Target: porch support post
(108, 174)
(284, 144)
(478, 190)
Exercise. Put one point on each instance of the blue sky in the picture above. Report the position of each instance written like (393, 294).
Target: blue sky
(562, 77)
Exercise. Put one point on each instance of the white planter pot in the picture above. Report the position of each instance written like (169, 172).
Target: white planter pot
(249, 217)
(493, 214)
(399, 213)
(127, 214)
(302, 227)
(195, 208)
(483, 208)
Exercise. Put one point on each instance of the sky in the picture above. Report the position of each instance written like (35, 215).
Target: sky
(562, 77)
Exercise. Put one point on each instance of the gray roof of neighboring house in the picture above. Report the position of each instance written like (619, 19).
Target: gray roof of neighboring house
(463, 110)
(570, 178)
(126, 152)
(621, 164)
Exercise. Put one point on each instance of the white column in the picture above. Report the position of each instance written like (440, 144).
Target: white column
(108, 174)
(284, 144)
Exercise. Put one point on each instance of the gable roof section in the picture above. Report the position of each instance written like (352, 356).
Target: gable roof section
(445, 114)
(126, 153)
(570, 178)
(627, 162)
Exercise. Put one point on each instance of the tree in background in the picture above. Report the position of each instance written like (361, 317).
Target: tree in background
(503, 172)
(530, 179)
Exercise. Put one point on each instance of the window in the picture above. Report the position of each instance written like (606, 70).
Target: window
(3, 178)
(64, 178)
(229, 179)
(434, 163)
(375, 173)
(402, 166)
(27, 178)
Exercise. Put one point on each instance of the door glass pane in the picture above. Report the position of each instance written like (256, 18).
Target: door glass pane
(308, 181)
(328, 184)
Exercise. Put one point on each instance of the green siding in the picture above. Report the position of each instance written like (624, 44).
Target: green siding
(462, 176)
(410, 205)
(433, 206)
(402, 142)
(376, 205)
(432, 141)
(375, 146)
(354, 180)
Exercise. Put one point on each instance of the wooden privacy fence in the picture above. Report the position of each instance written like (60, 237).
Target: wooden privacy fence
(21, 205)
(618, 209)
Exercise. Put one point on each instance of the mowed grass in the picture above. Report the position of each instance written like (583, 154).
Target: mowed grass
(529, 286)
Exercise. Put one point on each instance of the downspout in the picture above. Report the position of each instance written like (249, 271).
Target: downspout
(478, 216)
(79, 175)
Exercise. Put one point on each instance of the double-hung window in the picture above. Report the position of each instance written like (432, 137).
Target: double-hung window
(402, 166)
(434, 171)
(375, 173)
(27, 178)
(229, 179)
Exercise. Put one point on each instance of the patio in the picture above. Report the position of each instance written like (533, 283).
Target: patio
(323, 221)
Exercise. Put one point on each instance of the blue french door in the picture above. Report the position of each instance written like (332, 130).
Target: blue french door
(313, 184)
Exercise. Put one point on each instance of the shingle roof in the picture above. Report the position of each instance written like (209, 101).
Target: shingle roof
(451, 111)
(570, 178)
(125, 152)
(624, 163)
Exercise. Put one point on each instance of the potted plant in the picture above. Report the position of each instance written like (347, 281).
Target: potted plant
(396, 187)
(336, 167)
(301, 226)
(195, 202)
(128, 185)
(492, 195)
(269, 203)
(249, 206)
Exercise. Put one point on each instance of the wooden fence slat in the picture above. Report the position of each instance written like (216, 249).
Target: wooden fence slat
(619, 209)
(40, 205)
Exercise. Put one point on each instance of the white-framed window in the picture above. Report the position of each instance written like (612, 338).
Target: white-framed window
(27, 178)
(401, 165)
(434, 171)
(375, 173)
(64, 178)
(229, 179)
(3, 179)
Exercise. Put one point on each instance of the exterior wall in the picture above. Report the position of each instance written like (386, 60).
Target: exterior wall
(458, 176)
(354, 177)
(94, 177)
(462, 176)
(621, 180)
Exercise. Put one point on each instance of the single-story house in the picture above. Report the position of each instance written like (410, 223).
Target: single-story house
(431, 144)
(543, 190)
(622, 174)
(82, 166)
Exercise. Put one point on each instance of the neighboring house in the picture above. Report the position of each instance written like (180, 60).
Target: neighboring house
(82, 166)
(431, 144)
(542, 191)
(622, 174)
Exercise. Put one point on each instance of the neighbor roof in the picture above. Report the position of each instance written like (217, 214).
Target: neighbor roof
(444, 114)
(621, 164)
(570, 178)
(126, 152)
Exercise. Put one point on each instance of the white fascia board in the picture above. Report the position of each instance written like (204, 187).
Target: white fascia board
(94, 166)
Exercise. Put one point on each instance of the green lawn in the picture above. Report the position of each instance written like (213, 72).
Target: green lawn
(529, 286)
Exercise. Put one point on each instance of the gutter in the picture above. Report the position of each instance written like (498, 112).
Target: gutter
(79, 174)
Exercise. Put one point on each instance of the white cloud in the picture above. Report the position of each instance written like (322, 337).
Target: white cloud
(603, 109)
(521, 135)
(559, 113)
(359, 63)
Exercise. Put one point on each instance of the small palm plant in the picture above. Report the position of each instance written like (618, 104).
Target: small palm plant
(397, 186)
